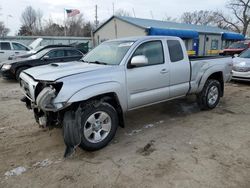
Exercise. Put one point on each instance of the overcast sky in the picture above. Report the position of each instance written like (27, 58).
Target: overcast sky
(55, 8)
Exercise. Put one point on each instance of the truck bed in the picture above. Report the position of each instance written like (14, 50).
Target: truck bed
(196, 58)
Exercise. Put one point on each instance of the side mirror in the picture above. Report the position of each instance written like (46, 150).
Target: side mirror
(45, 58)
(236, 55)
(139, 60)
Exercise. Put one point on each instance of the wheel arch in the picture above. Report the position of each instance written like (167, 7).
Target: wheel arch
(109, 97)
(214, 75)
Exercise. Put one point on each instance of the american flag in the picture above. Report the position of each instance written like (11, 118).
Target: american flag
(72, 12)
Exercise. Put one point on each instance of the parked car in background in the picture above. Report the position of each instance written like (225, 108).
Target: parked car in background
(11, 69)
(83, 47)
(12, 48)
(90, 97)
(236, 48)
(35, 51)
(241, 66)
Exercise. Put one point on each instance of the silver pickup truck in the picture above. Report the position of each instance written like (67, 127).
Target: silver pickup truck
(89, 98)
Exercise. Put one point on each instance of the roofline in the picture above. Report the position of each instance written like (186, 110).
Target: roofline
(119, 18)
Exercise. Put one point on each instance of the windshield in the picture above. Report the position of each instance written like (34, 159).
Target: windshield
(39, 54)
(238, 45)
(245, 54)
(110, 53)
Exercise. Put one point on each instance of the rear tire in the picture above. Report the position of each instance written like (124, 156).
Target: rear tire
(210, 95)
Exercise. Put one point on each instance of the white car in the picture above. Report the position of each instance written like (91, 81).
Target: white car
(241, 66)
(12, 48)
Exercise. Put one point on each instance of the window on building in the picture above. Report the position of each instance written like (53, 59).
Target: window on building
(214, 45)
(5, 46)
(153, 50)
(175, 50)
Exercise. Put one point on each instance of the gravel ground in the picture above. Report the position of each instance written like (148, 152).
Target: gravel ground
(173, 144)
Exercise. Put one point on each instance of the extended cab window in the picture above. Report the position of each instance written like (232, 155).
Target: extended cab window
(175, 50)
(153, 50)
(5, 46)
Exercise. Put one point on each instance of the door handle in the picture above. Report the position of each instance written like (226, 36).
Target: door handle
(164, 71)
(1, 52)
(17, 52)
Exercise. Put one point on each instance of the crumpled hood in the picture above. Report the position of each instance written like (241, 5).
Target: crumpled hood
(55, 71)
(241, 62)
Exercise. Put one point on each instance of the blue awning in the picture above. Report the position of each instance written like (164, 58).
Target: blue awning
(233, 36)
(188, 34)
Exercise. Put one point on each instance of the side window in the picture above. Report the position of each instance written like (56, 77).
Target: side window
(175, 50)
(56, 54)
(73, 53)
(214, 44)
(17, 46)
(152, 50)
(5, 46)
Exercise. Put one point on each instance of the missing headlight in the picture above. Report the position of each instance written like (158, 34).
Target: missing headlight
(45, 97)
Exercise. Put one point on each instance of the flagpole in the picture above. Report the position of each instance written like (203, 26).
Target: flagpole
(64, 10)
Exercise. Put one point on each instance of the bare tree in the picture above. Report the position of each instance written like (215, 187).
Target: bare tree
(52, 29)
(202, 17)
(3, 30)
(32, 21)
(122, 12)
(169, 18)
(77, 26)
(241, 12)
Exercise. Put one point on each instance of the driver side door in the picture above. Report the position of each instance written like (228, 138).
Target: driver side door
(149, 83)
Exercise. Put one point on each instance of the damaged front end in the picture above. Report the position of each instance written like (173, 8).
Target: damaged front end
(40, 96)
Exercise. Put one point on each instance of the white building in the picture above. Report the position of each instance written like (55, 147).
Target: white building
(199, 40)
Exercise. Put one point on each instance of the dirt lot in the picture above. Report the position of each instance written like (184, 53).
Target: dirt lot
(167, 145)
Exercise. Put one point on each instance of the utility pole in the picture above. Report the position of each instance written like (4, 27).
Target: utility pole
(96, 17)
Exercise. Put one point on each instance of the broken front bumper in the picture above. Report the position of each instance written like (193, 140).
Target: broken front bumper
(41, 94)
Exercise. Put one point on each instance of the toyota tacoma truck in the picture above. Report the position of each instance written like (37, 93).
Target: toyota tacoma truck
(89, 98)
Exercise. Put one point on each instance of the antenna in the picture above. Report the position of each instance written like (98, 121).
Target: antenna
(134, 12)
(151, 14)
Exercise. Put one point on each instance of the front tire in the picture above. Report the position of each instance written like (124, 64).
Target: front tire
(99, 122)
(210, 95)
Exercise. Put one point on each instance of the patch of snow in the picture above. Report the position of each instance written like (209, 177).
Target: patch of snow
(16, 171)
(43, 163)
(134, 132)
(148, 126)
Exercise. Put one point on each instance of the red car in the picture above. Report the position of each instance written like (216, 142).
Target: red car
(236, 48)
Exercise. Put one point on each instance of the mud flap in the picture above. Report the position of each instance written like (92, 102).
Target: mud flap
(71, 131)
